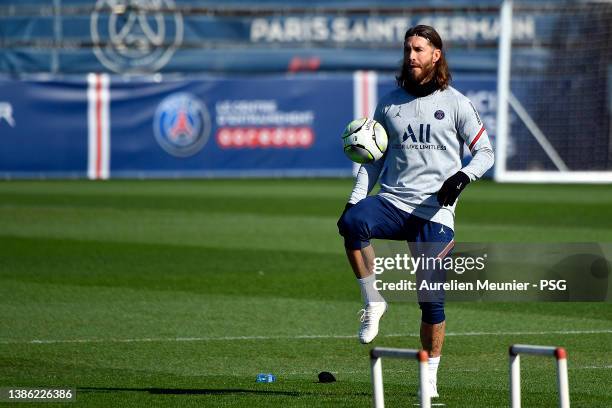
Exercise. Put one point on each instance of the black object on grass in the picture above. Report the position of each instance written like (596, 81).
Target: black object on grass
(326, 377)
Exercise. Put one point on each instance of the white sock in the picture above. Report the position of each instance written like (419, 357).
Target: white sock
(434, 362)
(369, 293)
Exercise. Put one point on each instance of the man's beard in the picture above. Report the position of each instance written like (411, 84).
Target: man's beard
(413, 85)
(425, 72)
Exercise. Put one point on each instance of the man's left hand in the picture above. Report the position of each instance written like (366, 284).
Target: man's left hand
(452, 187)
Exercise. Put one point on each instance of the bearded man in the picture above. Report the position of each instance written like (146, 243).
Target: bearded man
(429, 124)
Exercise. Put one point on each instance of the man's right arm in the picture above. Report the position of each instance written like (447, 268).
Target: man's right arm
(366, 180)
(368, 174)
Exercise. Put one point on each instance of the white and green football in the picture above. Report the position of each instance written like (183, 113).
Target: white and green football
(365, 140)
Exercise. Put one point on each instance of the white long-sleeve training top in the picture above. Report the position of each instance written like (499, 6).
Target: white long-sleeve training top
(427, 136)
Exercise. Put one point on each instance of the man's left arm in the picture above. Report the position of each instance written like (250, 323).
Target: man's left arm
(472, 131)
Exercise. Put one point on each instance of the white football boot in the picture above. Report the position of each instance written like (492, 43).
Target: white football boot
(370, 317)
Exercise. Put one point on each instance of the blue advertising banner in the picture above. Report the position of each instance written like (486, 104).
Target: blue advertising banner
(275, 125)
(43, 128)
(102, 126)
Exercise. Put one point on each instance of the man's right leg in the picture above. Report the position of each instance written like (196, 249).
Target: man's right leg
(362, 261)
(372, 217)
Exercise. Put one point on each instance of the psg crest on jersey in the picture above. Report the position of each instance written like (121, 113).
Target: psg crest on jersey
(181, 125)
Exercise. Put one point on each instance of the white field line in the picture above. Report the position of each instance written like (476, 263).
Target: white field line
(452, 370)
(296, 337)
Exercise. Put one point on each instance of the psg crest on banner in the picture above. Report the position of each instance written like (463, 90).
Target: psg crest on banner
(181, 124)
(135, 36)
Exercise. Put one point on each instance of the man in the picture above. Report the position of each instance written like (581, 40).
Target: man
(428, 124)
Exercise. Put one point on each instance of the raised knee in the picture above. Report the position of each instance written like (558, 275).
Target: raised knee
(349, 224)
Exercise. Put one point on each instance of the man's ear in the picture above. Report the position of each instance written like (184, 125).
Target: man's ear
(436, 55)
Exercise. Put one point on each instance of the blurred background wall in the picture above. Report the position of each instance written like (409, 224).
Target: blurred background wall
(180, 88)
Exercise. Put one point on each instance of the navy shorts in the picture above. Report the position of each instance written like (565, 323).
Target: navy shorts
(375, 217)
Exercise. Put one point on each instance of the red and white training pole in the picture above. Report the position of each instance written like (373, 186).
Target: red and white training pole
(515, 371)
(376, 355)
(562, 379)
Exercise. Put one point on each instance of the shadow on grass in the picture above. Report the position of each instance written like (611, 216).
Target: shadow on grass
(189, 391)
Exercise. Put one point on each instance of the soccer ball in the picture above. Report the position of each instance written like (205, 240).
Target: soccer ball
(365, 140)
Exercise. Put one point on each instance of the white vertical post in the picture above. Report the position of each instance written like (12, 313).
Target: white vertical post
(564, 401)
(425, 399)
(377, 382)
(503, 88)
(57, 35)
(515, 380)
(365, 98)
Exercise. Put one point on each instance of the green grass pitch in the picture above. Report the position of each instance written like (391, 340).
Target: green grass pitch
(178, 293)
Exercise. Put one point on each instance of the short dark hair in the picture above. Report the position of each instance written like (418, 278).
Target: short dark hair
(442, 74)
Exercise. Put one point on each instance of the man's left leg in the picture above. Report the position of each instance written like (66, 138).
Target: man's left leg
(434, 241)
(432, 337)
(433, 325)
